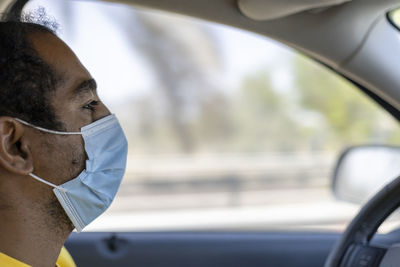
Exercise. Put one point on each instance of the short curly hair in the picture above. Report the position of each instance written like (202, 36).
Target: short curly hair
(26, 80)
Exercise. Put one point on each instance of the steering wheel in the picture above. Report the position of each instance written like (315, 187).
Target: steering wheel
(354, 248)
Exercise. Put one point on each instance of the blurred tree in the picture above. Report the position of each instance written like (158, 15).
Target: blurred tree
(263, 120)
(349, 114)
(180, 65)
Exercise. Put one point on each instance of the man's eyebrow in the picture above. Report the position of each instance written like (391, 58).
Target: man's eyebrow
(85, 87)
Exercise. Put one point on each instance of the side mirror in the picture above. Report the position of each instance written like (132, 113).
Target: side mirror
(363, 170)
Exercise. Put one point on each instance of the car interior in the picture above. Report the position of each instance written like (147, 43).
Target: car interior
(357, 40)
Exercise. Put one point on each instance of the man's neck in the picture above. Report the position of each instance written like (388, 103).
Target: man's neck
(29, 237)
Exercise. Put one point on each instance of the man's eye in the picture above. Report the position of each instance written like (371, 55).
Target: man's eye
(92, 105)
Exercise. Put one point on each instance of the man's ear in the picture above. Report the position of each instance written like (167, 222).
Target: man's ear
(15, 153)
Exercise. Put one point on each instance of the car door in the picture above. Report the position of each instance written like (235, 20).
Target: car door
(232, 137)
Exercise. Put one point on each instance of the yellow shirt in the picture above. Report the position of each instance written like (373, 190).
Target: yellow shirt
(64, 260)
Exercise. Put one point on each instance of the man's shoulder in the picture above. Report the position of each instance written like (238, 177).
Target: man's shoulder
(8, 261)
(65, 259)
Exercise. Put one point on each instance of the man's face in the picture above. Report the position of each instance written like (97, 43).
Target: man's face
(59, 158)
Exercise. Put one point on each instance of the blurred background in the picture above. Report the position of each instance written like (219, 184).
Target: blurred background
(227, 130)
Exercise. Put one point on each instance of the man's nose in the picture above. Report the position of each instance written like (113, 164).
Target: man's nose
(101, 112)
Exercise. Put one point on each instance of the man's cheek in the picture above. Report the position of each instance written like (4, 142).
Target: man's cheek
(72, 158)
(79, 161)
(78, 158)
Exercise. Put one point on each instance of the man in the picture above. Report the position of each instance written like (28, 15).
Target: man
(54, 130)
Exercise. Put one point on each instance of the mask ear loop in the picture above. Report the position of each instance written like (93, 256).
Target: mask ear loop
(48, 183)
(44, 129)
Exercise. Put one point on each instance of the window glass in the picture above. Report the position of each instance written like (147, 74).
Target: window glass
(227, 129)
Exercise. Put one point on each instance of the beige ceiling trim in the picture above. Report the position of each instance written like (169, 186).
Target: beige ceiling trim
(4, 4)
(273, 9)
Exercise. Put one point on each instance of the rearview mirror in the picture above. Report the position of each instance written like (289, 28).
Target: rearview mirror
(363, 170)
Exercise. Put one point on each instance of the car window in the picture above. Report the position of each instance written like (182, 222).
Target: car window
(227, 130)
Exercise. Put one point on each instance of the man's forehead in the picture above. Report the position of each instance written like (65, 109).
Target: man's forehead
(64, 62)
(56, 53)
(49, 47)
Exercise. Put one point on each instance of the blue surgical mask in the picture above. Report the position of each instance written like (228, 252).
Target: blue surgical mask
(87, 196)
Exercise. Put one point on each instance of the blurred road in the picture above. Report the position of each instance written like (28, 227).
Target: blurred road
(258, 210)
(227, 192)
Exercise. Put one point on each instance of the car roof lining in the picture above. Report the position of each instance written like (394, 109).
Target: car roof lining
(5, 6)
(274, 9)
(299, 30)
